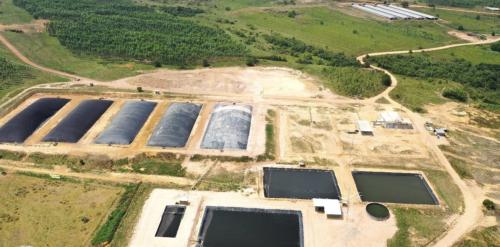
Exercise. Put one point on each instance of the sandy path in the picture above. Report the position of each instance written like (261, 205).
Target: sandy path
(104, 176)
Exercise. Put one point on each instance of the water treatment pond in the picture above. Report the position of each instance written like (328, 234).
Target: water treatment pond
(249, 227)
(393, 188)
(300, 183)
(170, 221)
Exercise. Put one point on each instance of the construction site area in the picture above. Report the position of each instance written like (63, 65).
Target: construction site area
(313, 164)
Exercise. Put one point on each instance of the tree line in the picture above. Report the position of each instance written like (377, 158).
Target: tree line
(122, 29)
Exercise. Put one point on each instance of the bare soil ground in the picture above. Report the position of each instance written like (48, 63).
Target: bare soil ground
(356, 226)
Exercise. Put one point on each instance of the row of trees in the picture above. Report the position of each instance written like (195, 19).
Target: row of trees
(122, 29)
(306, 52)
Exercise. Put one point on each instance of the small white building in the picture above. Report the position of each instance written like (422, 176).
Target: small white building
(492, 8)
(392, 120)
(331, 207)
(364, 127)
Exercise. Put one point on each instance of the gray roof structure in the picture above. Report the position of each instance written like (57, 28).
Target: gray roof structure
(228, 128)
(127, 123)
(175, 127)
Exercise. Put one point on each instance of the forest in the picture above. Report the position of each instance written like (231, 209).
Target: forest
(122, 29)
(481, 81)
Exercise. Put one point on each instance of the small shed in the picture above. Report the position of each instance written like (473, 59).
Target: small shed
(392, 120)
(331, 207)
(364, 127)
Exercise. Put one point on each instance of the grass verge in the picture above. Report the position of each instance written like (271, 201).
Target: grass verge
(107, 230)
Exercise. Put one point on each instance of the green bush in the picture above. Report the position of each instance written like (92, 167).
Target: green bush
(12, 155)
(488, 204)
(456, 94)
(495, 46)
(159, 167)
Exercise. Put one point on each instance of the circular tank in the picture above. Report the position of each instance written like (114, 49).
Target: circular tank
(377, 211)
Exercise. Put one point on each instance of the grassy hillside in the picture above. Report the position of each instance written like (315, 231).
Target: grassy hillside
(471, 22)
(340, 32)
(47, 51)
(10, 14)
(462, 73)
(473, 54)
(16, 76)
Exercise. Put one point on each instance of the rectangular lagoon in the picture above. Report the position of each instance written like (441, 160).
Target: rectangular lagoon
(250, 227)
(300, 183)
(391, 187)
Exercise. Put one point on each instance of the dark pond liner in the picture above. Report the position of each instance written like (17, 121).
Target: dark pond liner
(170, 221)
(21, 126)
(78, 121)
(377, 211)
(127, 123)
(300, 183)
(250, 227)
(391, 187)
(228, 128)
(176, 125)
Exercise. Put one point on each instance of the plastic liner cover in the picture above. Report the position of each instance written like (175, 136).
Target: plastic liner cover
(78, 121)
(300, 183)
(176, 125)
(250, 227)
(228, 128)
(393, 187)
(170, 221)
(127, 123)
(21, 126)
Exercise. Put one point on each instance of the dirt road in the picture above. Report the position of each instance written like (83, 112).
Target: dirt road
(472, 199)
(104, 176)
(18, 54)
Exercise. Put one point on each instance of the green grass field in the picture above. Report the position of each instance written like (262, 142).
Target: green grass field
(486, 23)
(416, 93)
(11, 87)
(10, 14)
(473, 54)
(340, 32)
(47, 51)
(45, 212)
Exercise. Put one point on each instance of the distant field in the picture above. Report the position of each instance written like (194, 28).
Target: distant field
(486, 23)
(473, 54)
(20, 76)
(340, 32)
(42, 212)
(47, 51)
(10, 14)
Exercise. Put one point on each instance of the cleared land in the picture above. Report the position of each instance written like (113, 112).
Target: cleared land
(10, 14)
(45, 212)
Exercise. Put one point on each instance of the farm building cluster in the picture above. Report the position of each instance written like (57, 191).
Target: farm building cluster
(393, 12)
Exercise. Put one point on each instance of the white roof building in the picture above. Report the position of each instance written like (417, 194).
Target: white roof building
(332, 207)
(389, 117)
(492, 8)
(364, 127)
